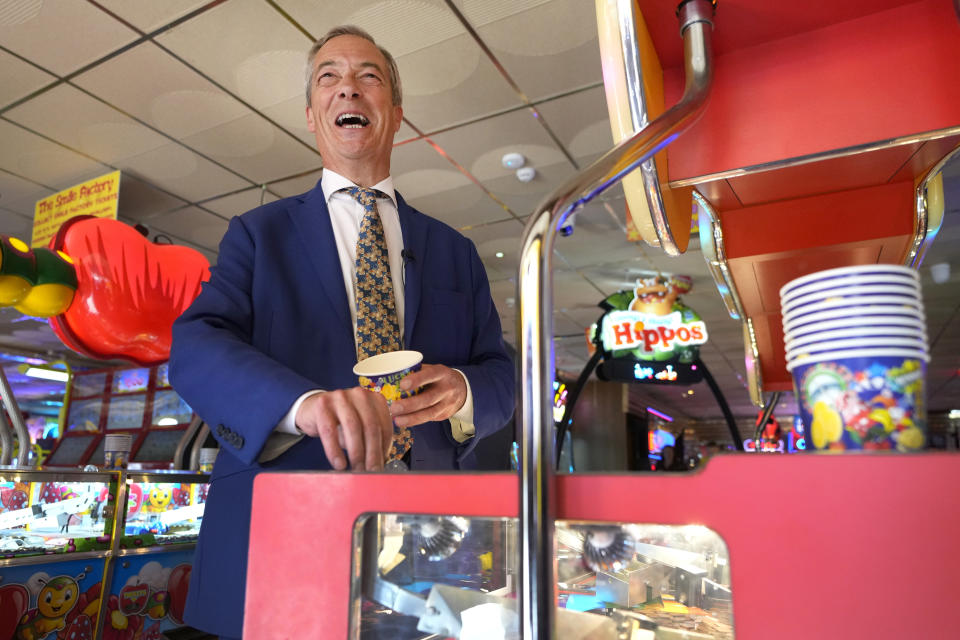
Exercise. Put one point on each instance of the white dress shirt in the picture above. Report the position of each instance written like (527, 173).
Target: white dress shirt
(346, 215)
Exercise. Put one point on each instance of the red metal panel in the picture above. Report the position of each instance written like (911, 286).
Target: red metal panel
(821, 546)
(869, 79)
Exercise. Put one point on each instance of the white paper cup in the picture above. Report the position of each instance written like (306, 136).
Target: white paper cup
(852, 295)
(875, 322)
(853, 333)
(856, 270)
(866, 315)
(864, 301)
(208, 456)
(851, 281)
(382, 373)
(116, 450)
(874, 342)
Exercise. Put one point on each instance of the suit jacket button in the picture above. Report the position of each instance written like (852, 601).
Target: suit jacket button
(220, 429)
(239, 442)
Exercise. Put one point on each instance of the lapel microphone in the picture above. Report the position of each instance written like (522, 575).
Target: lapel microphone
(407, 256)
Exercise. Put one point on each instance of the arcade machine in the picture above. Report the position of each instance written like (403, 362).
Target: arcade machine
(103, 554)
(808, 98)
(138, 401)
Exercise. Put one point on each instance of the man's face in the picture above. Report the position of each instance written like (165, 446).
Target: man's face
(351, 113)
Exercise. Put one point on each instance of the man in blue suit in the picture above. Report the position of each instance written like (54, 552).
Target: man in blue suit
(265, 353)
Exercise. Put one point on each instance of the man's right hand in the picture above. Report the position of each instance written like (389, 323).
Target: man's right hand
(353, 419)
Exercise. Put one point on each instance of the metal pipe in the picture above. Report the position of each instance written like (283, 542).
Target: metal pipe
(180, 454)
(6, 440)
(13, 409)
(535, 320)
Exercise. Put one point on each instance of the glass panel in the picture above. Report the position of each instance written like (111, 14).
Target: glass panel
(163, 512)
(130, 380)
(456, 577)
(44, 515)
(84, 415)
(170, 407)
(88, 384)
(159, 446)
(70, 450)
(126, 412)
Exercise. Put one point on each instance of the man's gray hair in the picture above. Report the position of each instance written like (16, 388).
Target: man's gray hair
(351, 30)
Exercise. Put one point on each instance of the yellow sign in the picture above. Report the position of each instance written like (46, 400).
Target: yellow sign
(97, 197)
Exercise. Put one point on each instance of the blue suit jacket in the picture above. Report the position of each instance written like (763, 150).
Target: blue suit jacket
(273, 322)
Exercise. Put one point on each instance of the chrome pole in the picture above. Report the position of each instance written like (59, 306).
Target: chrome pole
(16, 418)
(535, 321)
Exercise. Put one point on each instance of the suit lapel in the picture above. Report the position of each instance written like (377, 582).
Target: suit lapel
(415, 243)
(311, 221)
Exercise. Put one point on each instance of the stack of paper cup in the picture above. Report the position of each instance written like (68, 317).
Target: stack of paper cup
(856, 345)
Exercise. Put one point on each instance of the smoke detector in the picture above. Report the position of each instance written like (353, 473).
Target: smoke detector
(513, 161)
(526, 174)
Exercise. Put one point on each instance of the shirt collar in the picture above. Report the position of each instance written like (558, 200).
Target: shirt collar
(331, 182)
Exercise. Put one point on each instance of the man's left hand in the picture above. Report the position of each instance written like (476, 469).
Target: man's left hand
(443, 394)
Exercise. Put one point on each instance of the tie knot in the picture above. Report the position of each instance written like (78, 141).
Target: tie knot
(366, 197)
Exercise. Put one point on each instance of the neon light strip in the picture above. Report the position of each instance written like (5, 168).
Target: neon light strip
(659, 415)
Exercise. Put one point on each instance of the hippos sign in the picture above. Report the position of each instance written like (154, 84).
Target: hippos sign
(648, 334)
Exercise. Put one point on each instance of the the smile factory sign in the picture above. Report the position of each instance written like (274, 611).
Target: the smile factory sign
(648, 334)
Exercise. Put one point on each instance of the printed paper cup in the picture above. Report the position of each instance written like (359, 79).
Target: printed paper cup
(863, 399)
(874, 322)
(863, 301)
(877, 333)
(865, 314)
(116, 450)
(872, 342)
(842, 272)
(382, 373)
(851, 281)
(851, 294)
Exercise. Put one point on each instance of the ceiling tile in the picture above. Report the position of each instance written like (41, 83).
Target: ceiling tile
(20, 79)
(149, 16)
(32, 157)
(547, 48)
(295, 186)
(182, 172)
(254, 148)
(171, 97)
(581, 123)
(246, 46)
(238, 203)
(16, 224)
(19, 195)
(60, 36)
(451, 82)
(400, 26)
(88, 125)
(140, 200)
(193, 224)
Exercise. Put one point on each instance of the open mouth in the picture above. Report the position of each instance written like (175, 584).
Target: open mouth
(352, 120)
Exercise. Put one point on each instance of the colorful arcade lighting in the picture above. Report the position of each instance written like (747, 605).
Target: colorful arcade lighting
(662, 416)
(46, 373)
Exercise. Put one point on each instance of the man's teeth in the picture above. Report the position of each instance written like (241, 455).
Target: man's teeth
(352, 120)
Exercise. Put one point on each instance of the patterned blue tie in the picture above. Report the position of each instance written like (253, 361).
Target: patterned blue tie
(378, 330)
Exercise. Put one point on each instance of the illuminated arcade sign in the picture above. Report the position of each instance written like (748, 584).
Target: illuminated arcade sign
(650, 334)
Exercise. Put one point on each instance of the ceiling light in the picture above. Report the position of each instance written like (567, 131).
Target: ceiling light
(954, 414)
(526, 174)
(940, 272)
(46, 374)
(167, 422)
(513, 160)
(499, 254)
(689, 392)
